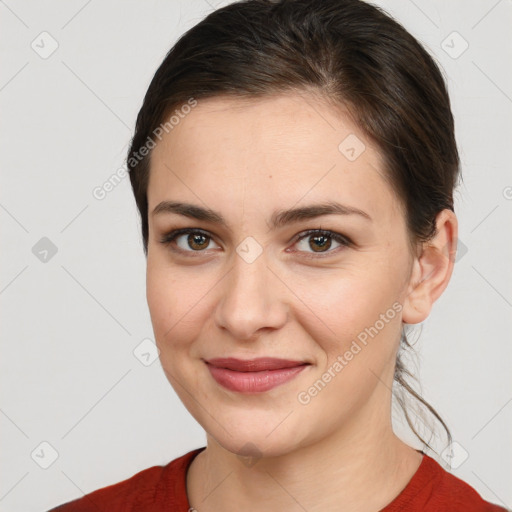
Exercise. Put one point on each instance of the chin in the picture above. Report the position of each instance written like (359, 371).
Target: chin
(246, 435)
(254, 448)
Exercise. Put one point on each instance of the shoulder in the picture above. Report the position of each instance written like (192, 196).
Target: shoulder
(146, 490)
(460, 495)
(433, 489)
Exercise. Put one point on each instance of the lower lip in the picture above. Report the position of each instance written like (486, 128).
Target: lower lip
(253, 382)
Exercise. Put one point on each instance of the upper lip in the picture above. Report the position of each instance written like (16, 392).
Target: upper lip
(254, 365)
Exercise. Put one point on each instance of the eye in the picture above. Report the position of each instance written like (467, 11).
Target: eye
(320, 241)
(195, 241)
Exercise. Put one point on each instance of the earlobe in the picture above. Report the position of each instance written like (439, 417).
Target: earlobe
(432, 270)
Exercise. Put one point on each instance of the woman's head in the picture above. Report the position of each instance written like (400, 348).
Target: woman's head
(280, 105)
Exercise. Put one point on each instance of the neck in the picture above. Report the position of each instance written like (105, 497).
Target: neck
(363, 468)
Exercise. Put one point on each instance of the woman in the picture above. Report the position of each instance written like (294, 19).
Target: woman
(293, 163)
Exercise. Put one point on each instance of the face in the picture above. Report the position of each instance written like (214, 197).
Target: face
(259, 285)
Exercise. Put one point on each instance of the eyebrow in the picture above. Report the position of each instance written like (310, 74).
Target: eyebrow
(279, 219)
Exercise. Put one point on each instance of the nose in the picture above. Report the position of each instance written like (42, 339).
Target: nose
(252, 300)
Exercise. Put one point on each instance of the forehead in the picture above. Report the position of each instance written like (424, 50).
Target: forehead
(271, 151)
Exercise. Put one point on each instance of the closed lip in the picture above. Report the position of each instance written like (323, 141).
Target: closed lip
(254, 365)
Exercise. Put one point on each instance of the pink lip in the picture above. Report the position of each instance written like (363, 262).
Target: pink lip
(255, 375)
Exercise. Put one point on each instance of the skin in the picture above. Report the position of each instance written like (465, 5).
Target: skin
(246, 159)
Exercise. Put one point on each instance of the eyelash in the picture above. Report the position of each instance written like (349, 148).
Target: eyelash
(168, 238)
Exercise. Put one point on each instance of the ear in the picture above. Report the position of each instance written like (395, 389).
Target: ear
(431, 270)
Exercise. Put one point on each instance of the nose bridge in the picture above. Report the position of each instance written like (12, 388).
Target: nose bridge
(249, 299)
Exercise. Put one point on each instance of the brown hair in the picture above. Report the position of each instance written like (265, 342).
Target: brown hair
(354, 55)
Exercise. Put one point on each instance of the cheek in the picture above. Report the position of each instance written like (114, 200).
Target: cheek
(174, 303)
(343, 304)
(160, 296)
(176, 298)
(356, 326)
(354, 319)
(166, 297)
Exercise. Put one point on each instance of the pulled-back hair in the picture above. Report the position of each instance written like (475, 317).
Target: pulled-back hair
(350, 53)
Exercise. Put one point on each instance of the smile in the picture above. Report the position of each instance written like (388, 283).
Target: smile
(253, 376)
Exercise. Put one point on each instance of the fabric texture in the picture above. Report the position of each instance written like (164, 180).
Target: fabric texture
(163, 489)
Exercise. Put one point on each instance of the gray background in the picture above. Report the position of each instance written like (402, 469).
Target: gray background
(72, 320)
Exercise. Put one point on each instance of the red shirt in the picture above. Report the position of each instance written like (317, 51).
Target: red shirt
(163, 489)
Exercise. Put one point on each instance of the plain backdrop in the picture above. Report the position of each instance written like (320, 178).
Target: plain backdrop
(80, 405)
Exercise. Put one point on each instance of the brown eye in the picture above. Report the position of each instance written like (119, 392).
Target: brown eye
(319, 241)
(195, 241)
(313, 241)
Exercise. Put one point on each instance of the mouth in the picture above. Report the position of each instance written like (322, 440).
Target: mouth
(254, 375)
